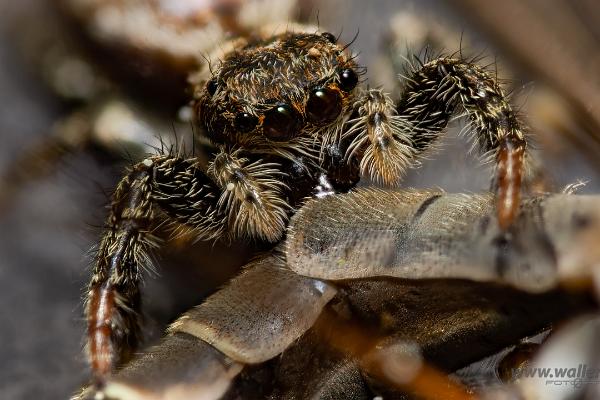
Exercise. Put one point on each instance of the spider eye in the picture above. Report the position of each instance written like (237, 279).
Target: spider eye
(211, 86)
(330, 37)
(245, 122)
(323, 105)
(348, 79)
(281, 123)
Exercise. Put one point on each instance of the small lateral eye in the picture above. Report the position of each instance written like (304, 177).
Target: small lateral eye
(245, 122)
(211, 86)
(348, 79)
(323, 105)
(281, 123)
(330, 37)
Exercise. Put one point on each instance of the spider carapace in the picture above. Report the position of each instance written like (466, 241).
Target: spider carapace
(289, 118)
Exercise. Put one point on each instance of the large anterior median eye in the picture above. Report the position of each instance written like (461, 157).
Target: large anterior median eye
(281, 123)
(323, 105)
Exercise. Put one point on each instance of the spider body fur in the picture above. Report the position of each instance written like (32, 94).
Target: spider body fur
(289, 119)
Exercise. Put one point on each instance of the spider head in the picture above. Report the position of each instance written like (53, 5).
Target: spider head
(279, 92)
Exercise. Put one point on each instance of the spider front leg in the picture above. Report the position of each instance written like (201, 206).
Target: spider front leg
(234, 197)
(391, 136)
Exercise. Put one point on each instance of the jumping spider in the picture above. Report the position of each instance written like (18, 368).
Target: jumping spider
(290, 119)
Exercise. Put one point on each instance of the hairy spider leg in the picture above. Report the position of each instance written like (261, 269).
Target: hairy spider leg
(434, 92)
(231, 196)
(388, 138)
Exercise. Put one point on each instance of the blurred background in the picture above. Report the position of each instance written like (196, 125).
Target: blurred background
(53, 188)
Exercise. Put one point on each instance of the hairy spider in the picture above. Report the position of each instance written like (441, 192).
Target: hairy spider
(289, 118)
